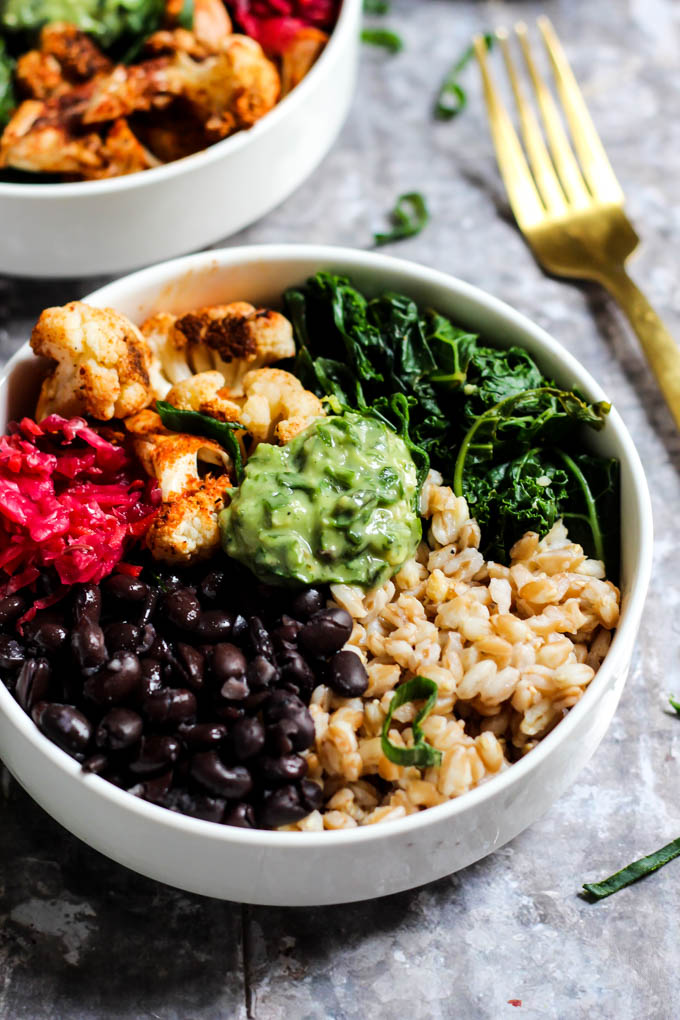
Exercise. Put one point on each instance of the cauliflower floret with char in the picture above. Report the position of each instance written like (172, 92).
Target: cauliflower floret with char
(230, 339)
(186, 529)
(277, 406)
(204, 392)
(102, 363)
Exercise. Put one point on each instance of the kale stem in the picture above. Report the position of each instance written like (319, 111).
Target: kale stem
(593, 519)
(488, 416)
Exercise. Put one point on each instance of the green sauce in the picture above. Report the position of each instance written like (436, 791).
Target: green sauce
(335, 504)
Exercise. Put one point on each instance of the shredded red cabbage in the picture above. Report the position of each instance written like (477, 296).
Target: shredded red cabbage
(275, 23)
(70, 500)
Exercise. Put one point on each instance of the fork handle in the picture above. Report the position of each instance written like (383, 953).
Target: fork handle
(660, 349)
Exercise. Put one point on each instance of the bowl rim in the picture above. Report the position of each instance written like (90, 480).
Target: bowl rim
(349, 12)
(165, 273)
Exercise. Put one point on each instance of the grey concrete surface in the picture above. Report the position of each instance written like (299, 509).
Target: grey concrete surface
(81, 937)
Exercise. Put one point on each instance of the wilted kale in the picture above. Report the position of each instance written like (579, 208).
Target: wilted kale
(497, 429)
(7, 97)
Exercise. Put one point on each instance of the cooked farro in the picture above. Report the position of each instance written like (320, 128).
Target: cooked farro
(511, 649)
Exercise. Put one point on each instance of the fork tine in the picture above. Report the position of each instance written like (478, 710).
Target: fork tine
(567, 167)
(541, 164)
(594, 163)
(524, 198)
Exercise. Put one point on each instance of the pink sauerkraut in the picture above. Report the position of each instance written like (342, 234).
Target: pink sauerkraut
(275, 23)
(69, 500)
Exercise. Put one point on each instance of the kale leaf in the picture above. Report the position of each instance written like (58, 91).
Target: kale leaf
(7, 97)
(487, 418)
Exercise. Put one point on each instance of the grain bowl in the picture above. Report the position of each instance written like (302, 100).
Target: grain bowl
(447, 615)
(119, 223)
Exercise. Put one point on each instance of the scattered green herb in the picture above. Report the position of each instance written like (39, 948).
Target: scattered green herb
(452, 97)
(409, 216)
(7, 97)
(675, 704)
(422, 753)
(204, 425)
(376, 6)
(389, 40)
(487, 412)
(634, 871)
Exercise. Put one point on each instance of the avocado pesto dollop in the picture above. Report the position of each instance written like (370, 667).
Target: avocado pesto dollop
(337, 503)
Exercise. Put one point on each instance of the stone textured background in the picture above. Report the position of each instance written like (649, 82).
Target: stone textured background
(81, 937)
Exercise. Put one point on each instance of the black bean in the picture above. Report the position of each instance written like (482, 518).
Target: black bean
(193, 663)
(48, 635)
(260, 639)
(96, 763)
(261, 673)
(170, 707)
(232, 782)
(326, 632)
(228, 661)
(160, 649)
(242, 816)
(287, 632)
(120, 728)
(202, 736)
(198, 805)
(152, 675)
(285, 769)
(87, 602)
(282, 704)
(148, 608)
(122, 637)
(33, 683)
(65, 726)
(147, 640)
(182, 608)
(211, 585)
(118, 681)
(87, 643)
(234, 689)
(127, 589)
(156, 755)
(346, 675)
(281, 807)
(215, 625)
(229, 711)
(311, 794)
(12, 652)
(306, 603)
(294, 733)
(11, 607)
(295, 670)
(246, 738)
(153, 789)
(239, 627)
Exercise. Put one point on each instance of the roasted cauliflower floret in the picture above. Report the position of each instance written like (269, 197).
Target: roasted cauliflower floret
(172, 458)
(101, 363)
(186, 529)
(205, 393)
(230, 339)
(277, 406)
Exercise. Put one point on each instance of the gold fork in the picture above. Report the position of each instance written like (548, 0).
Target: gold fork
(569, 210)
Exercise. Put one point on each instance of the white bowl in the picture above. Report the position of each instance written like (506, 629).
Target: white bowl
(95, 227)
(331, 867)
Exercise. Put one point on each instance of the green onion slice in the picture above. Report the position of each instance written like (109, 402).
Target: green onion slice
(452, 97)
(636, 870)
(389, 41)
(409, 216)
(422, 753)
(674, 704)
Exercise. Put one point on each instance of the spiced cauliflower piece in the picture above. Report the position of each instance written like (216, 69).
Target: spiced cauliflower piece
(185, 529)
(231, 339)
(205, 393)
(277, 407)
(101, 363)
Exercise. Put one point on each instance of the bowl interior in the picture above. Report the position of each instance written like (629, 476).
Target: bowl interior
(260, 275)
